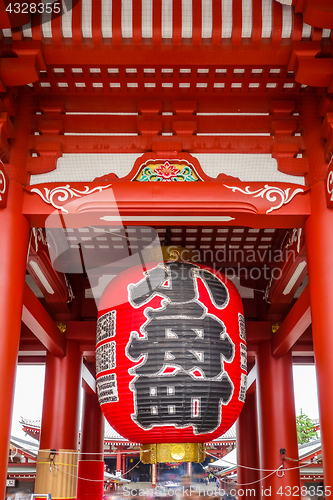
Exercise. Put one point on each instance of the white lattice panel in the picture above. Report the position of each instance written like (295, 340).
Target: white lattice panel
(167, 16)
(85, 167)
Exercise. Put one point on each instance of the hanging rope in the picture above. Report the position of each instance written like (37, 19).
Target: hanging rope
(87, 479)
(303, 464)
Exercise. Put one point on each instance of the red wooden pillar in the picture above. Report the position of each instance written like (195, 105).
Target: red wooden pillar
(277, 421)
(248, 448)
(319, 248)
(118, 465)
(123, 464)
(14, 237)
(59, 430)
(91, 465)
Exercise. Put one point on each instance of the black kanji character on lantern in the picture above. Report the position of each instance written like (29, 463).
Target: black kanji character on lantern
(182, 285)
(183, 347)
(181, 400)
(189, 343)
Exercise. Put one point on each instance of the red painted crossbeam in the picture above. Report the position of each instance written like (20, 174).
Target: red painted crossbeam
(41, 324)
(98, 103)
(144, 143)
(293, 326)
(129, 123)
(182, 55)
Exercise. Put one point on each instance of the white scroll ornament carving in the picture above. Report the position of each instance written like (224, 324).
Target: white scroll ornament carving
(330, 184)
(2, 184)
(271, 193)
(61, 194)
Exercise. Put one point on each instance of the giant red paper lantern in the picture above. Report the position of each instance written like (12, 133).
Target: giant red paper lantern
(171, 353)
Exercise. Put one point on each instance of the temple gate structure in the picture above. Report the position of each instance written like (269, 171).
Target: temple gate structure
(201, 124)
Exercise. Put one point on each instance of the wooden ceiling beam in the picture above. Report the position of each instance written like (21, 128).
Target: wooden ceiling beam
(132, 202)
(293, 326)
(129, 123)
(316, 13)
(182, 55)
(252, 380)
(31, 360)
(130, 103)
(289, 273)
(41, 324)
(143, 143)
(88, 380)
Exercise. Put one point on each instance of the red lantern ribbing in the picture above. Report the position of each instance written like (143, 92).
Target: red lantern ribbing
(171, 357)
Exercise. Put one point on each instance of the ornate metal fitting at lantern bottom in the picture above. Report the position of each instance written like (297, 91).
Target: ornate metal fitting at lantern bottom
(172, 452)
(168, 253)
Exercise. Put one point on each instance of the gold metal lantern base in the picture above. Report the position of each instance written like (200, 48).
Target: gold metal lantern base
(169, 252)
(172, 452)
